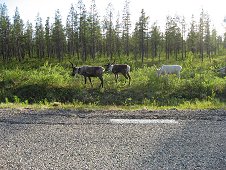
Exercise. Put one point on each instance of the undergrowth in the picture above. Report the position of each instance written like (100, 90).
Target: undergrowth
(33, 83)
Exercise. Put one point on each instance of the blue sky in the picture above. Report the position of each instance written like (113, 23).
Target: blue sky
(156, 10)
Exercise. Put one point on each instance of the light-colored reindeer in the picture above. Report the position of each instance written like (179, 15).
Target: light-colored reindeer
(169, 69)
(89, 71)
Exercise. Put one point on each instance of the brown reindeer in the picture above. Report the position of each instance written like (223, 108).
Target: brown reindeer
(89, 71)
(124, 69)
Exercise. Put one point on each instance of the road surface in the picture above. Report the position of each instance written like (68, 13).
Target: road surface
(69, 139)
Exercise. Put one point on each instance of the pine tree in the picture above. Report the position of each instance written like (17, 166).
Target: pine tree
(29, 39)
(207, 35)
(58, 37)
(72, 31)
(17, 36)
(82, 30)
(183, 31)
(135, 41)
(142, 32)
(155, 40)
(39, 38)
(126, 25)
(213, 42)
(48, 37)
(117, 36)
(108, 30)
(169, 37)
(219, 43)
(201, 34)
(176, 33)
(5, 27)
(140, 35)
(94, 29)
(192, 39)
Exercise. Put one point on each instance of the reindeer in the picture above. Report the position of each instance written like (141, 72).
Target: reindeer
(89, 71)
(169, 69)
(222, 70)
(124, 69)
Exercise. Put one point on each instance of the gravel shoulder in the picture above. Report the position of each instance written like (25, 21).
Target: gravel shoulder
(65, 115)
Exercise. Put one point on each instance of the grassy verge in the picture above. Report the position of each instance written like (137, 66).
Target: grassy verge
(80, 106)
(48, 84)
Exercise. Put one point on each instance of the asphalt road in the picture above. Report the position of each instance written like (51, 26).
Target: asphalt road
(75, 140)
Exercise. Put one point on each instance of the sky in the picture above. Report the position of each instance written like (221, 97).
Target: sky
(157, 10)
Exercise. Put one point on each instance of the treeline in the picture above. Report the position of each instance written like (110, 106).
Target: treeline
(84, 36)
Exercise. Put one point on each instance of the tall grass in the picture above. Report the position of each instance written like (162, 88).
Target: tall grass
(49, 82)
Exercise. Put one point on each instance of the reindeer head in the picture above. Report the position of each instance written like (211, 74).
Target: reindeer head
(158, 70)
(75, 70)
(109, 66)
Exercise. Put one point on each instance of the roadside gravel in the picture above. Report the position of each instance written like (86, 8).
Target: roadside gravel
(69, 114)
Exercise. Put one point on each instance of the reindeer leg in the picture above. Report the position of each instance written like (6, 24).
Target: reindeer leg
(85, 79)
(125, 75)
(129, 77)
(178, 75)
(102, 82)
(90, 81)
(116, 78)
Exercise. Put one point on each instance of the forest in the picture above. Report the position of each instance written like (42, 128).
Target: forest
(84, 36)
(35, 59)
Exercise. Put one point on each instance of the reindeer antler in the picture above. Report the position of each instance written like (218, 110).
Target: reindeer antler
(71, 64)
(113, 62)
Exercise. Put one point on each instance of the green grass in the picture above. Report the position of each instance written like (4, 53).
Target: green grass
(147, 106)
(48, 84)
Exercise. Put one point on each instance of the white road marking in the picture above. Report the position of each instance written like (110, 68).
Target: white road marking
(143, 121)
